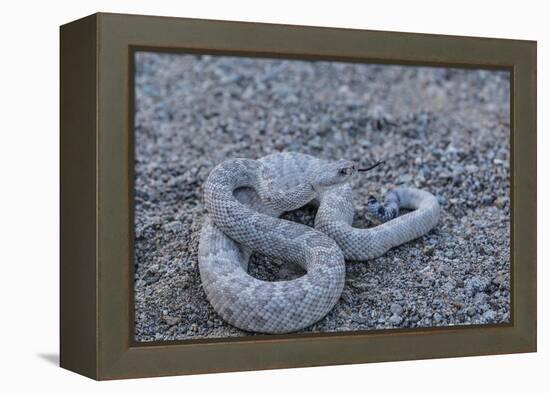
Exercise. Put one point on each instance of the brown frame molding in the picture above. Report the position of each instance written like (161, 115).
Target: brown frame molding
(97, 186)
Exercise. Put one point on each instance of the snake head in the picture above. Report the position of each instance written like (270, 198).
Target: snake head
(333, 174)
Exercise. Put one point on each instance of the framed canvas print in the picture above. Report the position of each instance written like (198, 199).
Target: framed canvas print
(241, 196)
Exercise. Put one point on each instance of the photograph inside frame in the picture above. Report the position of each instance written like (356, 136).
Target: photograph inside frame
(276, 196)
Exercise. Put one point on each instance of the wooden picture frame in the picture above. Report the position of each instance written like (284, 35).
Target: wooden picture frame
(96, 195)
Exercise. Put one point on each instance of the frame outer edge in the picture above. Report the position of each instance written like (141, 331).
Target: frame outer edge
(117, 357)
(78, 201)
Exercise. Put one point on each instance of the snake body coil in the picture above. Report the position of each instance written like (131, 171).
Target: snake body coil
(244, 199)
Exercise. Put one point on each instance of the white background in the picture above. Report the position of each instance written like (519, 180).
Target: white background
(29, 193)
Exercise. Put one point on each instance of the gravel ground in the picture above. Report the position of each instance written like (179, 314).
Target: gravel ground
(443, 130)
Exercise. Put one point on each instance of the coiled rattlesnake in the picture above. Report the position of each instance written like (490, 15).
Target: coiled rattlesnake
(244, 199)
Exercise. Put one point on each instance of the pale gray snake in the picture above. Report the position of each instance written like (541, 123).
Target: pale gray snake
(244, 199)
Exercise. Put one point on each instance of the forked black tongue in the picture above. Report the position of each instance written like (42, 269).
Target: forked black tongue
(370, 167)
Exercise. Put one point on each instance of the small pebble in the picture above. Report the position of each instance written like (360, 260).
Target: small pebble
(396, 309)
(395, 320)
(171, 320)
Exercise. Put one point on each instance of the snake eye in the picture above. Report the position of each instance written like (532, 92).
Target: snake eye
(345, 171)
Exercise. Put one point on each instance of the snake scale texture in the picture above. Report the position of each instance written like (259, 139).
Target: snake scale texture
(245, 198)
